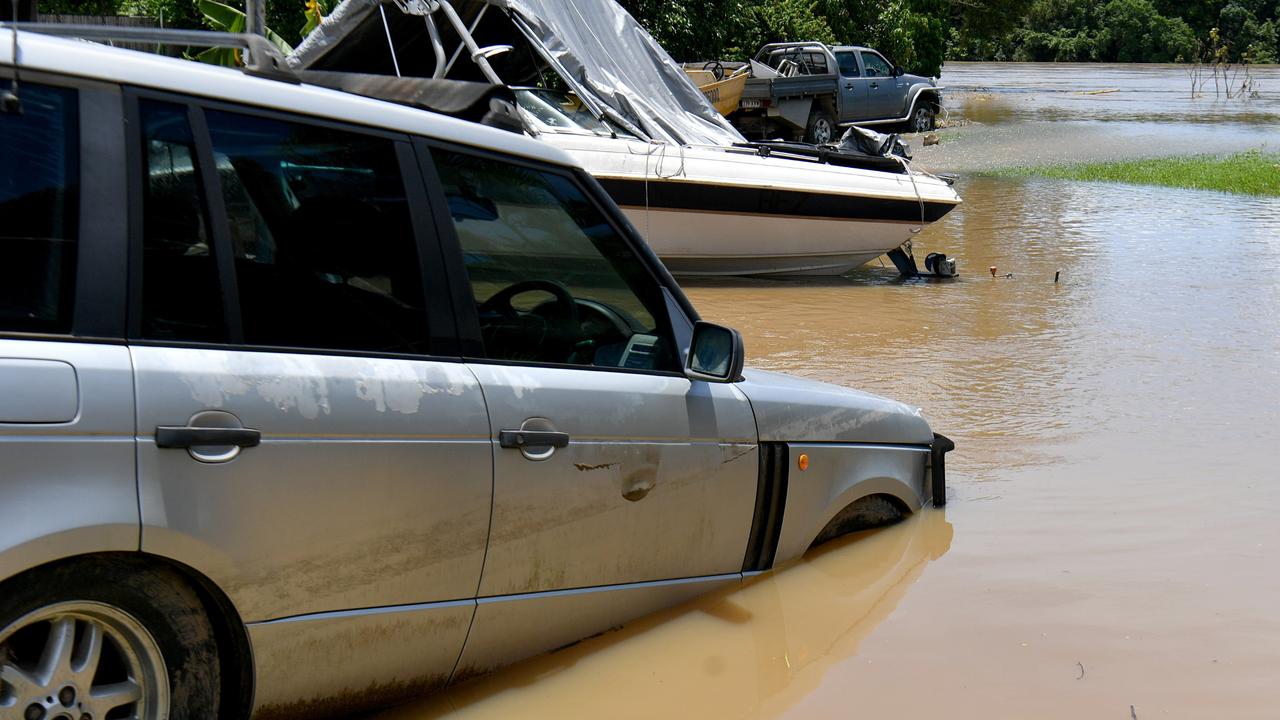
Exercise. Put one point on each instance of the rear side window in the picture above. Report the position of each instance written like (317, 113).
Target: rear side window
(312, 230)
(181, 295)
(39, 193)
(325, 254)
(848, 64)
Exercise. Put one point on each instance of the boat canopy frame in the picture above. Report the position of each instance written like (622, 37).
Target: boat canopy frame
(600, 52)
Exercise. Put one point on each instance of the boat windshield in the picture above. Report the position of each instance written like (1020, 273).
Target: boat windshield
(563, 111)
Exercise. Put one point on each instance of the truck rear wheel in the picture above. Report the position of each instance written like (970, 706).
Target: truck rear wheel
(821, 129)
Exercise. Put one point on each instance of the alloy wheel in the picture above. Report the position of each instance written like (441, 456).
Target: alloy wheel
(81, 661)
(822, 131)
(920, 121)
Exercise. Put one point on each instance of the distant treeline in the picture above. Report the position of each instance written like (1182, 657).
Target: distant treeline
(917, 34)
(920, 34)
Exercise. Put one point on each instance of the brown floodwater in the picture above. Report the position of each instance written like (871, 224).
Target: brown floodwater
(1110, 545)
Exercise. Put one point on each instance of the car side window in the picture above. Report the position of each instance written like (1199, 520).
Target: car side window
(324, 250)
(553, 281)
(319, 235)
(876, 65)
(848, 64)
(39, 193)
(181, 294)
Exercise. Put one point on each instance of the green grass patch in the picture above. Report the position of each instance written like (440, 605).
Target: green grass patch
(1252, 173)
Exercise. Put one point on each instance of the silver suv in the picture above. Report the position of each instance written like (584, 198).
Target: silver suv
(309, 402)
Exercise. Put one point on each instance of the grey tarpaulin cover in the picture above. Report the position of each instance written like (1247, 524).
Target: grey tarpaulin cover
(604, 50)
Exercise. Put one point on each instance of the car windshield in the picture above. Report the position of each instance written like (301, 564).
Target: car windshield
(558, 110)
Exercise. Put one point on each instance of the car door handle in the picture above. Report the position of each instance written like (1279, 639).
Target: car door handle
(875, 86)
(187, 437)
(848, 86)
(532, 439)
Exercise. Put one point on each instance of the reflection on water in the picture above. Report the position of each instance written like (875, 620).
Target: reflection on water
(1001, 92)
(1040, 113)
(1114, 493)
(754, 651)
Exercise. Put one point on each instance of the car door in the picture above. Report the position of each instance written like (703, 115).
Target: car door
(853, 87)
(299, 443)
(612, 470)
(883, 99)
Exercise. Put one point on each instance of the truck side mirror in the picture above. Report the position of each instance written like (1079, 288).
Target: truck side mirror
(898, 71)
(715, 354)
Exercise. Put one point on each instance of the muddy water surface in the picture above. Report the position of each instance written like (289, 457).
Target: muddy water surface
(1110, 547)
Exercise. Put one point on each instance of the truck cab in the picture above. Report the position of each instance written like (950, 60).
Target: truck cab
(808, 90)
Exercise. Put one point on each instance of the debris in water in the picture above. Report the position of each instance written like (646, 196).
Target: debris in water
(1056, 273)
(993, 270)
(1081, 670)
(1133, 713)
(931, 139)
(1103, 91)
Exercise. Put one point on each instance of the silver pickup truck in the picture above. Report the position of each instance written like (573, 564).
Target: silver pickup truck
(806, 90)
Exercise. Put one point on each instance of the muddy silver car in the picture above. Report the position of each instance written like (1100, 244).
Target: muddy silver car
(310, 401)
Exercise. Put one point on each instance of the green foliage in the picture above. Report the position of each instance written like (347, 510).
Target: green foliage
(772, 21)
(1225, 31)
(228, 19)
(1253, 173)
(914, 33)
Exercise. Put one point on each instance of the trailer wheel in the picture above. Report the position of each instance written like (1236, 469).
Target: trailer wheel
(821, 129)
(923, 118)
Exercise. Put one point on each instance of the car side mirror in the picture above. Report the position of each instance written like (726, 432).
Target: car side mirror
(898, 71)
(715, 354)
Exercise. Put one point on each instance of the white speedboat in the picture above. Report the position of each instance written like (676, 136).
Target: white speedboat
(713, 210)
(707, 201)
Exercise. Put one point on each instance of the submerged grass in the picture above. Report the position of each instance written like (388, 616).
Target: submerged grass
(1252, 173)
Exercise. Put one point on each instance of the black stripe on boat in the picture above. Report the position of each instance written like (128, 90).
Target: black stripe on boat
(669, 195)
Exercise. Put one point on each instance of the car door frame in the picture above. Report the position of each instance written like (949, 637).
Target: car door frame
(276, 643)
(567, 615)
(881, 98)
(852, 91)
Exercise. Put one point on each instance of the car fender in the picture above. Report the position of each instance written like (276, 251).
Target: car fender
(833, 476)
(914, 92)
(19, 554)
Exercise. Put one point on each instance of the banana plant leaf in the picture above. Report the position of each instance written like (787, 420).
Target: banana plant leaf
(228, 19)
(314, 13)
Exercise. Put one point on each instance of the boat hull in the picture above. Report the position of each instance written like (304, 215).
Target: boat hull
(699, 243)
(722, 211)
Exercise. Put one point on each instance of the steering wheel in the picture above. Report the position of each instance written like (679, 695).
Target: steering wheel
(716, 68)
(550, 338)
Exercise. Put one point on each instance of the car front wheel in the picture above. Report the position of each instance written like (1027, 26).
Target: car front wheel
(99, 639)
(923, 118)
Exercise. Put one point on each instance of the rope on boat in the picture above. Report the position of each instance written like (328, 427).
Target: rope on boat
(659, 147)
(906, 167)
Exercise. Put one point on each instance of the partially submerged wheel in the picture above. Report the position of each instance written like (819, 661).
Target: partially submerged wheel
(821, 129)
(100, 640)
(923, 118)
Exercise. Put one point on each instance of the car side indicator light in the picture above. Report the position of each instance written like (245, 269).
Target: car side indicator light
(803, 461)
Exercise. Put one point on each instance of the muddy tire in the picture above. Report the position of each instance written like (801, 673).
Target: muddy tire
(103, 637)
(923, 117)
(821, 128)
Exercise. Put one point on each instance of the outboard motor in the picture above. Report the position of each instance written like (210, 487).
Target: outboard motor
(940, 265)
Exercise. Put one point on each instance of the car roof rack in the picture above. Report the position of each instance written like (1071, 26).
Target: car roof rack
(263, 58)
